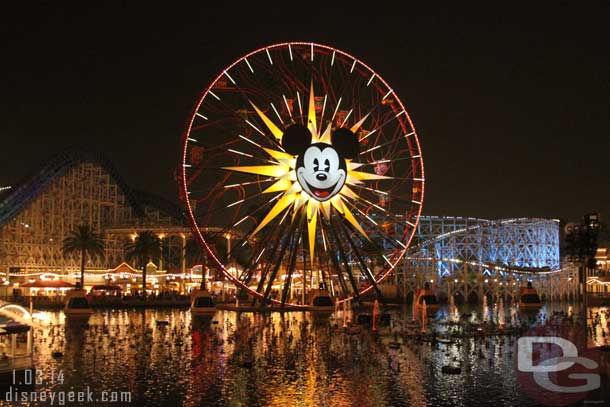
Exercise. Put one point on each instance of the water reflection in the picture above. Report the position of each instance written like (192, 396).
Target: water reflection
(169, 358)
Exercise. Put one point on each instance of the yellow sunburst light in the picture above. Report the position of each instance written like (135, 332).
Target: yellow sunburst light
(284, 171)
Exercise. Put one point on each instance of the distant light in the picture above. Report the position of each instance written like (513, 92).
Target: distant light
(42, 316)
(5, 188)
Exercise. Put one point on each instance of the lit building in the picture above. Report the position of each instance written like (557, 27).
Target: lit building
(602, 258)
(600, 281)
(75, 188)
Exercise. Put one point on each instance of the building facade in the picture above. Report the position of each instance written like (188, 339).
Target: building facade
(72, 189)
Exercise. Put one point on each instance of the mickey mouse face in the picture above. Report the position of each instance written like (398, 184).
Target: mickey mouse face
(321, 168)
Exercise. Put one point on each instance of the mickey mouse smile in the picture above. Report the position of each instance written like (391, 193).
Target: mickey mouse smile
(321, 193)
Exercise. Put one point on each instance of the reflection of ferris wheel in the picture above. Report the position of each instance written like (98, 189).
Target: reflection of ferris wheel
(308, 162)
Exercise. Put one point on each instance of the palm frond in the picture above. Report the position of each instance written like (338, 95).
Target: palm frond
(145, 247)
(84, 238)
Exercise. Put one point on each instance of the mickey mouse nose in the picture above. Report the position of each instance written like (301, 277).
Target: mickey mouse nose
(321, 177)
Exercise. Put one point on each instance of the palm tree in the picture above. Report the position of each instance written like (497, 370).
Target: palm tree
(85, 241)
(144, 248)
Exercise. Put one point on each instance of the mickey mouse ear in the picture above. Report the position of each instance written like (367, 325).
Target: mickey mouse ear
(346, 143)
(296, 139)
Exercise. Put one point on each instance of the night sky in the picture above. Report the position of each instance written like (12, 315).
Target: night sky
(511, 104)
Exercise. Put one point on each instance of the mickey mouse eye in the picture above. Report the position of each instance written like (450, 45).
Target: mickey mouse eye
(327, 165)
(316, 164)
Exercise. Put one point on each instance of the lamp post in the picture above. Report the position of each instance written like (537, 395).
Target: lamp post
(224, 282)
(228, 237)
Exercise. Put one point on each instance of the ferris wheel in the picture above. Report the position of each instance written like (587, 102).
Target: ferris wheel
(307, 162)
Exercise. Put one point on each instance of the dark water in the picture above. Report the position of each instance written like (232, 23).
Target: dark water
(273, 360)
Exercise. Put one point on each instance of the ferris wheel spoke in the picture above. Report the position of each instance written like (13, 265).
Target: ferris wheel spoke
(397, 244)
(342, 92)
(328, 259)
(416, 179)
(377, 146)
(240, 202)
(386, 161)
(286, 242)
(249, 125)
(384, 193)
(291, 266)
(247, 98)
(247, 155)
(269, 237)
(323, 274)
(344, 258)
(363, 267)
(242, 184)
(247, 273)
(396, 219)
(383, 124)
(211, 148)
(361, 95)
(360, 122)
(252, 231)
(230, 228)
(378, 248)
(276, 243)
(333, 259)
